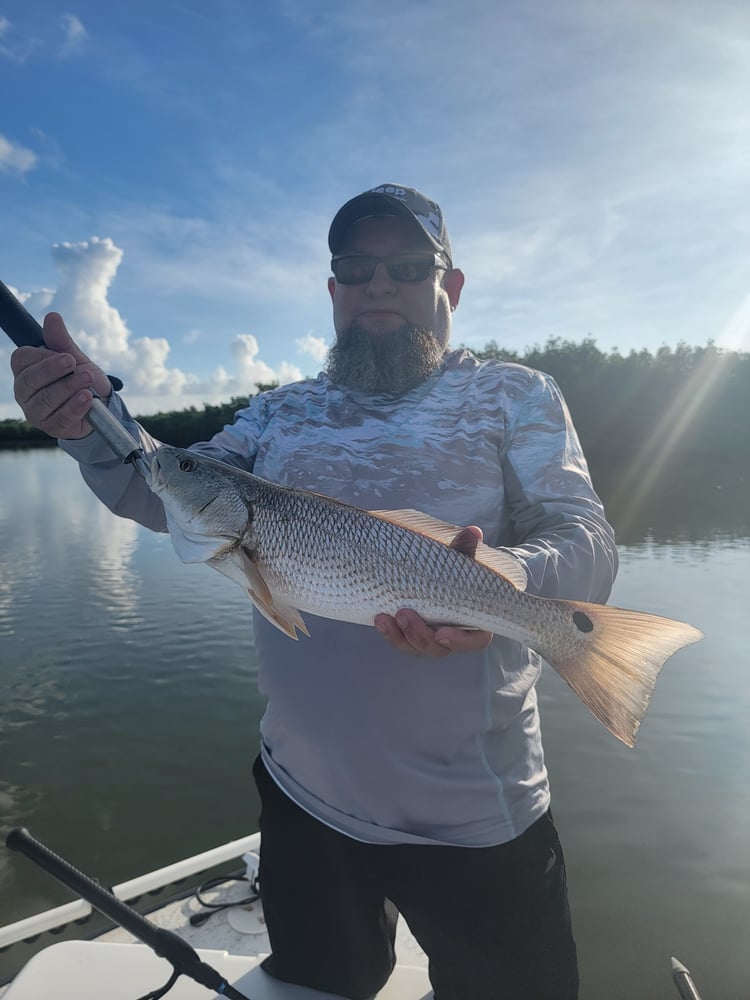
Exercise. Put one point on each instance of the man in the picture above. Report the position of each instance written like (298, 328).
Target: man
(401, 767)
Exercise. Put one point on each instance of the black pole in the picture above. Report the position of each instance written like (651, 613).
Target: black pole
(17, 321)
(166, 944)
(24, 331)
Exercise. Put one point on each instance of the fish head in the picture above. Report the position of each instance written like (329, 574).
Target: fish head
(207, 509)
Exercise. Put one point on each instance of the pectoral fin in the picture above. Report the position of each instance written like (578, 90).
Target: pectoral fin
(240, 567)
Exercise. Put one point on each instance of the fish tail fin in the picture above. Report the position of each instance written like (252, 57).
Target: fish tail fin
(616, 663)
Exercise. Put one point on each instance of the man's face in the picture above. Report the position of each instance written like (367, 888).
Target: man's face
(390, 335)
(383, 306)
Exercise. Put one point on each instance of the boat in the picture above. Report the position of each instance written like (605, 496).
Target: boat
(219, 922)
(221, 919)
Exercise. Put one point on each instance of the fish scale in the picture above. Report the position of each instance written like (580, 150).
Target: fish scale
(371, 567)
(295, 551)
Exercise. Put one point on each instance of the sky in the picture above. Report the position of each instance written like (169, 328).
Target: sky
(169, 170)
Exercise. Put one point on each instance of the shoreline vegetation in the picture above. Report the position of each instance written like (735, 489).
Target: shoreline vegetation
(666, 434)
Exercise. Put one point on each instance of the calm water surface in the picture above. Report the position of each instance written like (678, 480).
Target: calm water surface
(129, 717)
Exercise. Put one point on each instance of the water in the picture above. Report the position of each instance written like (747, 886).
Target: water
(129, 716)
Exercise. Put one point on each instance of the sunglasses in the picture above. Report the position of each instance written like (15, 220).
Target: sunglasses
(353, 269)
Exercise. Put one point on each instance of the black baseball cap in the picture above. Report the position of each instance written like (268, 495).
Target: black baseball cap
(392, 199)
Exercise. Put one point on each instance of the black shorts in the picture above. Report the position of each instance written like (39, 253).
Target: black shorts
(493, 921)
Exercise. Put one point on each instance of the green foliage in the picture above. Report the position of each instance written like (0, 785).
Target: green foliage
(184, 427)
(19, 434)
(667, 432)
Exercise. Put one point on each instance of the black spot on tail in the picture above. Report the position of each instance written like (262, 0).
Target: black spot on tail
(582, 622)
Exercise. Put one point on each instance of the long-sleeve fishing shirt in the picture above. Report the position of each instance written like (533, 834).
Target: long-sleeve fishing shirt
(381, 745)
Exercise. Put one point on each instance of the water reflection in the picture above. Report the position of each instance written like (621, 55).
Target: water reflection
(60, 546)
(115, 581)
(129, 718)
(655, 836)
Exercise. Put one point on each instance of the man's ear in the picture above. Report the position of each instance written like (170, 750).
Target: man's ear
(453, 282)
(331, 287)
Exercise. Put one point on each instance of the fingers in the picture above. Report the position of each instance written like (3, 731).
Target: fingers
(53, 394)
(467, 539)
(57, 338)
(409, 633)
(54, 385)
(462, 640)
(35, 367)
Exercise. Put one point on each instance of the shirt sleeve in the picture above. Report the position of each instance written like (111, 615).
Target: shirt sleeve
(563, 538)
(121, 488)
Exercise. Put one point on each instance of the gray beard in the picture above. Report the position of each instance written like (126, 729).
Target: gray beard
(388, 365)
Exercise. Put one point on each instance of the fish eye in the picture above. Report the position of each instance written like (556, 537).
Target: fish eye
(187, 464)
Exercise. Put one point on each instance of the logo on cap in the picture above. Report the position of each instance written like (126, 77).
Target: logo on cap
(427, 212)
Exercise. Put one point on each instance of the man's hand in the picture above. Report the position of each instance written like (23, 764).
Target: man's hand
(409, 633)
(54, 385)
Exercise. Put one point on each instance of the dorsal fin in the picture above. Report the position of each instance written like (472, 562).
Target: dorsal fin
(499, 560)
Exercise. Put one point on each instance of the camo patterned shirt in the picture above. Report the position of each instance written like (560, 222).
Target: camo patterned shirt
(386, 747)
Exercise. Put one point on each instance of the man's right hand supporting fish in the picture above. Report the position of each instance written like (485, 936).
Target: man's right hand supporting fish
(416, 781)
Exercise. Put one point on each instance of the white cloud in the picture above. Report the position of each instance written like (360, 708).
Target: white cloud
(12, 46)
(251, 370)
(14, 158)
(75, 35)
(18, 48)
(316, 347)
(88, 269)
(38, 302)
(82, 297)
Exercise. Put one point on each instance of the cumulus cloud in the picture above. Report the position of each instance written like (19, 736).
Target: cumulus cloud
(14, 158)
(251, 370)
(316, 347)
(87, 270)
(74, 33)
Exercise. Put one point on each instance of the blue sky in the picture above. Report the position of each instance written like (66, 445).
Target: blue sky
(168, 172)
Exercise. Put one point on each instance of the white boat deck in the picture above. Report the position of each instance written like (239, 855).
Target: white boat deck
(81, 970)
(232, 939)
(240, 930)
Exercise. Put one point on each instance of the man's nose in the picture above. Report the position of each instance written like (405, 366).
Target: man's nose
(381, 281)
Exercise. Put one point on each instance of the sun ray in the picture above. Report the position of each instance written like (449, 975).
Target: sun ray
(676, 419)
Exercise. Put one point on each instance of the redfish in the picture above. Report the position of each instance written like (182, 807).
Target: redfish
(295, 551)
